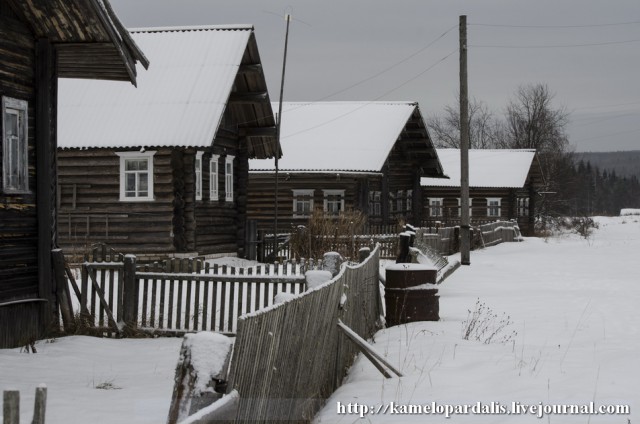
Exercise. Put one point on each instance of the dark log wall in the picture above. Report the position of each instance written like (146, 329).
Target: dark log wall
(261, 204)
(18, 217)
(218, 221)
(90, 210)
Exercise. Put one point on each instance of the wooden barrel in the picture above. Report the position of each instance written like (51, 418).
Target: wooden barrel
(402, 276)
(411, 294)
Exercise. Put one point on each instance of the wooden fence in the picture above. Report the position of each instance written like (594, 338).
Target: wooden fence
(288, 359)
(11, 406)
(179, 295)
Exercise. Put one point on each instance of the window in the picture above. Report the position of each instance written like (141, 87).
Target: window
(435, 206)
(523, 206)
(459, 211)
(136, 176)
(213, 177)
(400, 201)
(15, 167)
(409, 200)
(374, 203)
(392, 202)
(228, 178)
(198, 166)
(333, 201)
(493, 206)
(302, 203)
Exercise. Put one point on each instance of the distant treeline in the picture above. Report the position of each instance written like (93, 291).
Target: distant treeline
(624, 164)
(590, 189)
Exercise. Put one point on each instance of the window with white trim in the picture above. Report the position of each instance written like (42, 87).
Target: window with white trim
(228, 178)
(198, 166)
(136, 176)
(400, 201)
(435, 206)
(333, 201)
(459, 210)
(493, 206)
(15, 166)
(375, 208)
(409, 200)
(302, 203)
(523, 206)
(213, 177)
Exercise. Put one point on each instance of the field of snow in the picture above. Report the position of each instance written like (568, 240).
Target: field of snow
(568, 308)
(571, 331)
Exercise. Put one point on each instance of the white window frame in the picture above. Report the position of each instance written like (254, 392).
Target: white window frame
(228, 178)
(198, 176)
(436, 204)
(377, 203)
(18, 181)
(409, 200)
(460, 208)
(523, 206)
(126, 156)
(494, 210)
(213, 178)
(299, 198)
(327, 193)
(399, 201)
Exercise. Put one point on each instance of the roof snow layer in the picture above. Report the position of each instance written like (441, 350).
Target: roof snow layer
(337, 136)
(487, 168)
(179, 100)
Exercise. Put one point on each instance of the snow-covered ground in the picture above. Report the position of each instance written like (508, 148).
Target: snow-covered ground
(574, 337)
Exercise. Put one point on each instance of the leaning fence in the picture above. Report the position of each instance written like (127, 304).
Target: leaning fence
(288, 359)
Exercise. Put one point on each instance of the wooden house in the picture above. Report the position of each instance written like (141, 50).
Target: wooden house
(40, 41)
(337, 156)
(503, 185)
(162, 170)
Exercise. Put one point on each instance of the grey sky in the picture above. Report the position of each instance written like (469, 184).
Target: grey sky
(592, 66)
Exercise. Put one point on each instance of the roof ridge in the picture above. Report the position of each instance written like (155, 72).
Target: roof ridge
(193, 28)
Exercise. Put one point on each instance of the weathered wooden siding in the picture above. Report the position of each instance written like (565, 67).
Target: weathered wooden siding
(90, 210)
(261, 195)
(18, 217)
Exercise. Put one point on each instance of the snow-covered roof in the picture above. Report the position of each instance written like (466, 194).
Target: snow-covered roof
(337, 136)
(179, 101)
(487, 168)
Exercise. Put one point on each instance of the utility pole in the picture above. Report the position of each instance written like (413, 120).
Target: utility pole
(278, 122)
(465, 241)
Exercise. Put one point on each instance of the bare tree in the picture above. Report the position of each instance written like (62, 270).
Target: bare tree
(485, 130)
(533, 123)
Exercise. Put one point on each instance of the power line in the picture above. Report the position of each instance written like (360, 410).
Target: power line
(383, 71)
(368, 103)
(606, 43)
(557, 26)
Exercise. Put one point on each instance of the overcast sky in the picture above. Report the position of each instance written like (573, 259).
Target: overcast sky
(586, 51)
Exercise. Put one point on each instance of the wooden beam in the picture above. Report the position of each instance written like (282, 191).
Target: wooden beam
(250, 68)
(258, 132)
(249, 98)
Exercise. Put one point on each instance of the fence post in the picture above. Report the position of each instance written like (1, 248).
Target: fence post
(11, 407)
(40, 405)
(130, 292)
(62, 289)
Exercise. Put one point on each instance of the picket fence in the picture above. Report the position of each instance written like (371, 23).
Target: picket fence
(180, 295)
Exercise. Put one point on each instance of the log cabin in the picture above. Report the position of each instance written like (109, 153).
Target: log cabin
(366, 156)
(162, 170)
(41, 41)
(503, 185)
